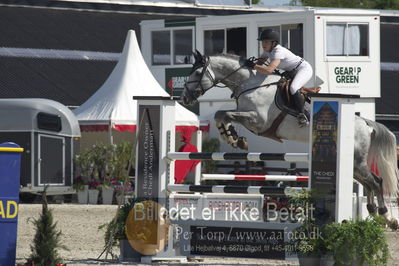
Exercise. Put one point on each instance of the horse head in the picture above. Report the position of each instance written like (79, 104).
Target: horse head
(201, 79)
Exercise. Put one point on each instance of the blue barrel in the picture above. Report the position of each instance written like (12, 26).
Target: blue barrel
(10, 161)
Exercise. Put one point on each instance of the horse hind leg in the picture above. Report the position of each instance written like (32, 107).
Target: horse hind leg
(371, 206)
(377, 185)
(382, 208)
(373, 185)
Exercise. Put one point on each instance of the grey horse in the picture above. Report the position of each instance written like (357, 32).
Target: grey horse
(256, 110)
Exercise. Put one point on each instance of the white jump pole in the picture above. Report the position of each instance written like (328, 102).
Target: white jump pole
(285, 178)
(252, 156)
(197, 179)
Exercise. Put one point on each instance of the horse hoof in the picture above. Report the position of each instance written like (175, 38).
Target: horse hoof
(242, 143)
(372, 209)
(394, 224)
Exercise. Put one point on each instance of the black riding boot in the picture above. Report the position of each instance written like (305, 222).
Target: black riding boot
(299, 101)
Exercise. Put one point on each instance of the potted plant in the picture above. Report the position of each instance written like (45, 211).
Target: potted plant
(120, 164)
(94, 192)
(81, 187)
(357, 242)
(107, 165)
(123, 191)
(115, 235)
(107, 190)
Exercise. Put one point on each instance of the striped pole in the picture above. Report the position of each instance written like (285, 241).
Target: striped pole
(254, 177)
(222, 156)
(269, 191)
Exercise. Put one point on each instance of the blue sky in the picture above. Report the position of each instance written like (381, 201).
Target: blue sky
(318, 105)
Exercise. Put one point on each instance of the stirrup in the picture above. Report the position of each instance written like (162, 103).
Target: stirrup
(302, 120)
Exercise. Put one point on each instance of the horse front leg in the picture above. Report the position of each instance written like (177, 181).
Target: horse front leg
(224, 120)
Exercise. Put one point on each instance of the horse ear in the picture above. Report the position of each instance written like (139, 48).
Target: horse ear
(195, 57)
(199, 55)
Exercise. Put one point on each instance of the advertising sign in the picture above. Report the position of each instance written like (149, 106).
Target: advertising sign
(10, 160)
(324, 158)
(175, 79)
(148, 153)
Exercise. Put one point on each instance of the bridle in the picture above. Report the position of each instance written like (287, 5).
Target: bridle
(200, 90)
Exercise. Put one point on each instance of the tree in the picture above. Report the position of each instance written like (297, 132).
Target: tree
(255, 2)
(47, 238)
(369, 4)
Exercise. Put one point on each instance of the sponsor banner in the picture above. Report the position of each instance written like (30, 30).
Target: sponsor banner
(148, 153)
(324, 158)
(175, 79)
(8, 209)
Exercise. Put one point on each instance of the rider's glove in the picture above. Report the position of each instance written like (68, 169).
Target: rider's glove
(250, 63)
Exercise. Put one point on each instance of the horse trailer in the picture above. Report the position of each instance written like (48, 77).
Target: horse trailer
(49, 134)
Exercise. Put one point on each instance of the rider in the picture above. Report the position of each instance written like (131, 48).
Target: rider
(282, 58)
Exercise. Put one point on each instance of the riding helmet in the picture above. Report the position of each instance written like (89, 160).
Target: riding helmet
(269, 35)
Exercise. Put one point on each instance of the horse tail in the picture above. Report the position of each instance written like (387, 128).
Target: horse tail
(383, 153)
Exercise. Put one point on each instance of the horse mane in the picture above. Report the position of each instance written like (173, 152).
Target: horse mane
(231, 56)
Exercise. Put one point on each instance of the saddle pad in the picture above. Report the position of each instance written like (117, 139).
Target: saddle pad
(281, 101)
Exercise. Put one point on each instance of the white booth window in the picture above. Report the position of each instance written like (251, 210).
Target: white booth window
(160, 41)
(291, 37)
(347, 39)
(182, 44)
(229, 40)
(214, 42)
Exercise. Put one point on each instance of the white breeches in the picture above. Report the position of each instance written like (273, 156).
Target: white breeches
(303, 75)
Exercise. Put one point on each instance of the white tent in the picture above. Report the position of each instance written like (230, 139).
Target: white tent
(112, 106)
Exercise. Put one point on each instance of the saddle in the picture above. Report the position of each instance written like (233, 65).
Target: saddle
(283, 100)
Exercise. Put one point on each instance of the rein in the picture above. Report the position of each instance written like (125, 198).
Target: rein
(205, 71)
(254, 88)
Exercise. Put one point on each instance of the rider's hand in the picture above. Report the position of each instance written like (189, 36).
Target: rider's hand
(249, 63)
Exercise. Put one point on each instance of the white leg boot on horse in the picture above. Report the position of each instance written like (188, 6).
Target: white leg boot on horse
(228, 133)
(224, 119)
(222, 132)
